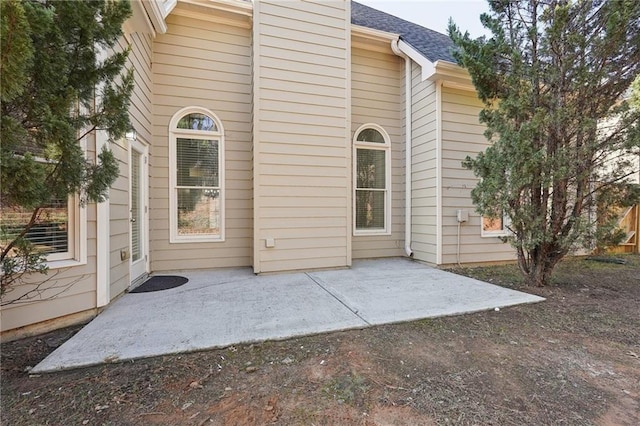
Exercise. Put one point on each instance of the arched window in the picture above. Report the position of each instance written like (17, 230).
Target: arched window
(372, 167)
(196, 176)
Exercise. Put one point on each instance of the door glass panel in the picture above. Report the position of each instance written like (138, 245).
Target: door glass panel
(136, 218)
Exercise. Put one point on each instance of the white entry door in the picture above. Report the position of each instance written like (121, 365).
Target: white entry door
(138, 210)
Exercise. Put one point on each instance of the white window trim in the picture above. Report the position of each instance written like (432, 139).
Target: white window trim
(174, 133)
(76, 234)
(504, 232)
(374, 146)
(76, 254)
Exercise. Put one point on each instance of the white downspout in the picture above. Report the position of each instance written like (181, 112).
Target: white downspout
(408, 139)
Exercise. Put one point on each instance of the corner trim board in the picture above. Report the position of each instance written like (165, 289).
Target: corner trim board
(103, 246)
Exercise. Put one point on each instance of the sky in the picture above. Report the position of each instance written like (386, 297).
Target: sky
(434, 14)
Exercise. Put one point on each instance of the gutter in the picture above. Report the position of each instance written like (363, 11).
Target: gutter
(442, 73)
(408, 139)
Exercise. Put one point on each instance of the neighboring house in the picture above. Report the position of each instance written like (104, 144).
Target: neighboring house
(279, 136)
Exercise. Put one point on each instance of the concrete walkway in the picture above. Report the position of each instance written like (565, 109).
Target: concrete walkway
(226, 307)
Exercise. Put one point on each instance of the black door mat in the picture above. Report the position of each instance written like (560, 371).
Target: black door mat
(160, 282)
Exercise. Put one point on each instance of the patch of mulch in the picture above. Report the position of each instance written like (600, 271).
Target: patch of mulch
(574, 359)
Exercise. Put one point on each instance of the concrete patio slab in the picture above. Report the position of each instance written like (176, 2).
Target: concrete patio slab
(226, 307)
(379, 295)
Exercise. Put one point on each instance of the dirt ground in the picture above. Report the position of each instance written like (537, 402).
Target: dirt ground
(574, 359)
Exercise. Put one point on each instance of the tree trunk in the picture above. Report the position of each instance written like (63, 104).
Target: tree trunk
(538, 276)
(543, 261)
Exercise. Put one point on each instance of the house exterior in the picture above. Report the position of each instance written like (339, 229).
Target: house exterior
(280, 136)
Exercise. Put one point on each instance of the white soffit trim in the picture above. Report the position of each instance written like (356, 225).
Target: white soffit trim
(232, 6)
(426, 65)
(234, 13)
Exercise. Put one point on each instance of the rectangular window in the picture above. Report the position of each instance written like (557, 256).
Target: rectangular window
(54, 230)
(198, 188)
(494, 227)
(371, 190)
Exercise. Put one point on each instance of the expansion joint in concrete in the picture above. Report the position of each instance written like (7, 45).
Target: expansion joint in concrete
(355, 312)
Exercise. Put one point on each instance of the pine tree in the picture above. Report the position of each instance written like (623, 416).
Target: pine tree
(55, 90)
(552, 79)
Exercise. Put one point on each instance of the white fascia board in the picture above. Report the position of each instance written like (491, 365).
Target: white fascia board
(371, 39)
(427, 67)
(167, 6)
(370, 33)
(452, 75)
(156, 14)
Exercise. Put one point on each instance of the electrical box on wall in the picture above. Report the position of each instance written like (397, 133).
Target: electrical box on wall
(124, 254)
(463, 215)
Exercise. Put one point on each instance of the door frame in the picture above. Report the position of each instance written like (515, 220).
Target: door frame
(143, 149)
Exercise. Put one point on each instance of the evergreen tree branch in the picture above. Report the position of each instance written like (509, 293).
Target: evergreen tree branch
(11, 244)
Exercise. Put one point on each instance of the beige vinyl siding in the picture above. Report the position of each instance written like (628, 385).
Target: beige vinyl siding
(75, 300)
(119, 222)
(377, 86)
(79, 296)
(462, 135)
(301, 131)
(424, 164)
(140, 112)
(205, 64)
(140, 58)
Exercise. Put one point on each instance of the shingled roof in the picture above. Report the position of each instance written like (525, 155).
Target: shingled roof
(433, 45)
